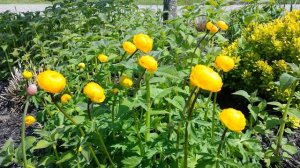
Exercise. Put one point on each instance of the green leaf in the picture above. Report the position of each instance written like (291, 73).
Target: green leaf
(273, 122)
(290, 149)
(294, 112)
(286, 80)
(243, 94)
(66, 156)
(294, 67)
(174, 103)
(132, 161)
(276, 104)
(47, 160)
(42, 144)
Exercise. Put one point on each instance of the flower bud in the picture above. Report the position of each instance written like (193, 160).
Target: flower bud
(129, 47)
(233, 119)
(224, 63)
(222, 25)
(31, 89)
(27, 74)
(149, 63)
(102, 58)
(65, 98)
(29, 120)
(126, 82)
(81, 65)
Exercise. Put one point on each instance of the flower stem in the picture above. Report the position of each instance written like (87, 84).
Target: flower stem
(100, 137)
(89, 109)
(213, 119)
(23, 133)
(113, 116)
(206, 103)
(198, 45)
(80, 129)
(138, 82)
(186, 134)
(147, 115)
(220, 146)
(56, 154)
(284, 116)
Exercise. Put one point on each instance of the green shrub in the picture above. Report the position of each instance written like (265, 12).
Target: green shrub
(263, 52)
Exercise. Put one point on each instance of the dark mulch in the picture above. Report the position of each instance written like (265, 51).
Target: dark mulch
(10, 123)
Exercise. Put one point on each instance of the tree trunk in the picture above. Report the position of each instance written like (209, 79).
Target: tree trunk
(170, 9)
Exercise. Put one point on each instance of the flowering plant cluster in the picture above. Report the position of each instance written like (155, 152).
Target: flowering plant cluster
(138, 96)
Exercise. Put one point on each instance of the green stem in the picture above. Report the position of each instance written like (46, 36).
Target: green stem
(220, 146)
(56, 154)
(178, 142)
(186, 134)
(147, 115)
(113, 117)
(198, 45)
(7, 60)
(213, 119)
(80, 129)
(186, 145)
(100, 137)
(138, 82)
(23, 133)
(136, 125)
(206, 103)
(284, 116)
(89, 110)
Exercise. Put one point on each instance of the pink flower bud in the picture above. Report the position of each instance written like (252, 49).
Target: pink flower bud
(32, 89)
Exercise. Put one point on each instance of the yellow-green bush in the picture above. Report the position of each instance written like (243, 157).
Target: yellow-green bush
(263, 52)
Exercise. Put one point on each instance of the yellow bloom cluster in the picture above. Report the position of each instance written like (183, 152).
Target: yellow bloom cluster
(294, 121)
(264, 66)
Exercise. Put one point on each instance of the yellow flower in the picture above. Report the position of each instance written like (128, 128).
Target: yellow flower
(206, 78)
(126, 82)
(115, 90)
(81, 65)
(65, 98)
(143, 42)
(149, 63)
(224, 63)
(27, 74)
(29, 120)
(222, 25)
(214, 29)
(233, 119)
(51, 81)
(95, 92)
(129, 47)
(102, 58)
(211, 27)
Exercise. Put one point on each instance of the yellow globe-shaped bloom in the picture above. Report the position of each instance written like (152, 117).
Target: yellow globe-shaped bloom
(51, 81)
(102, 58)
(224, 63)
(81, 65)
(29, 120)
(209, 25)
(65, 98)
(206, 78)
(27, 74)
(95, 92)
(222, 25)
(149, 63)
(129, 47)
(143, 42)
(233, 119)
(126, 82)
